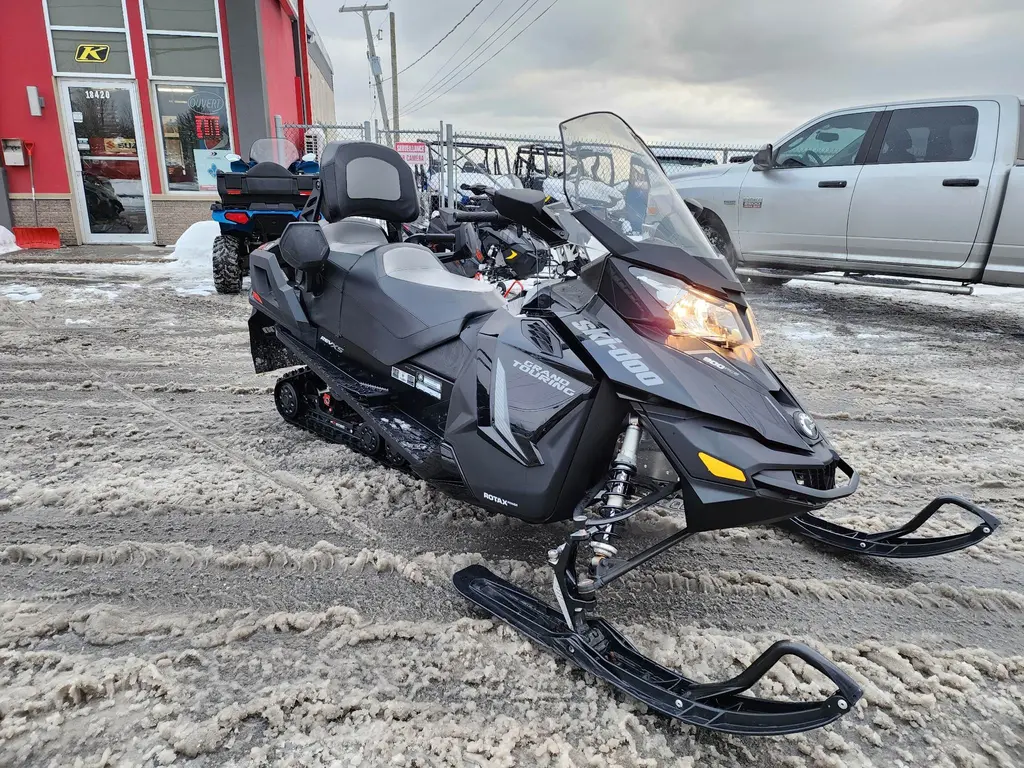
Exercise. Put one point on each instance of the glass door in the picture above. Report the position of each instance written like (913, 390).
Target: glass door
(111, 184)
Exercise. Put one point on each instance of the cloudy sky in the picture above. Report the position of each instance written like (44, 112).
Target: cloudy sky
(742, 70)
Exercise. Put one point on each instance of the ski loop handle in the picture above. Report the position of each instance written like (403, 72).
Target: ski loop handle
(896, 543)
(746, 679)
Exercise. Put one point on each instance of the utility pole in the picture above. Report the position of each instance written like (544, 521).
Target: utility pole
(394, 77)
(371, 54)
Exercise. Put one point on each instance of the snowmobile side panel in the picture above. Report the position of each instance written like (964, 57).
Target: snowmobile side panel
(896, 543)
(272, 295)
(516, 417)
(602, 651)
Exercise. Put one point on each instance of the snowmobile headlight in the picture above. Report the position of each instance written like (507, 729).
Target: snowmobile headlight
(699, 314)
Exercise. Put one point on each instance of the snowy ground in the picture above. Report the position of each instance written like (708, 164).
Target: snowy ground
(185, 579)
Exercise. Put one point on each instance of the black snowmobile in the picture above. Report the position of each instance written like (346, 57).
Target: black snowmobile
(634, 383)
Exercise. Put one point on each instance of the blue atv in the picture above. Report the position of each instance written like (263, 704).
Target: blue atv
(259, 197)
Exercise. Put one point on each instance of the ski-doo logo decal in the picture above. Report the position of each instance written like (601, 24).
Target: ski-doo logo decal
(499, 500)
(631, 361)
(337, 348)
(541, 373)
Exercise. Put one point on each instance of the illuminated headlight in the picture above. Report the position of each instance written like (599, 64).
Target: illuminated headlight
(698, 314)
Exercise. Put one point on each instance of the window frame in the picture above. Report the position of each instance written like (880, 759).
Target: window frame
(883, 128)
(863, 150)
(171, 80)
(146, 32)
(77, 28)
(158, 125)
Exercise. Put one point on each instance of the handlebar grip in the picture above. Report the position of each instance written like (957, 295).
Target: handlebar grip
(479, 216)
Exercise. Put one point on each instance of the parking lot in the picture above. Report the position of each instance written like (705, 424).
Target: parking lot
(187, 576)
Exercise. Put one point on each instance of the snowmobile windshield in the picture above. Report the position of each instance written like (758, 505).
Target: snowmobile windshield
(601, 150)
(280, 151)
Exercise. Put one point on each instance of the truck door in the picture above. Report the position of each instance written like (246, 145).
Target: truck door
(921, 194)
(798, 209)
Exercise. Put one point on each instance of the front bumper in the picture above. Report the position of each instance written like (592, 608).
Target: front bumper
(778, 482)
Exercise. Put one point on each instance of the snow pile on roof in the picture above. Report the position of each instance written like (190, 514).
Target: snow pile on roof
(7, 244)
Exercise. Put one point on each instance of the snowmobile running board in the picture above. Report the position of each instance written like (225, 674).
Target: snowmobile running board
(894, 543)
(599, 649)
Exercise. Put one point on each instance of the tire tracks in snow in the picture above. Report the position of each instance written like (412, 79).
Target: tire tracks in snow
(279, 477)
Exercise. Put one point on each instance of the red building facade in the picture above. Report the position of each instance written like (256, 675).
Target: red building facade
(129, 107)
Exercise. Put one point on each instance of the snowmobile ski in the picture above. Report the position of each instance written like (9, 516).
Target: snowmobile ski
(602, 651)
(896, 543)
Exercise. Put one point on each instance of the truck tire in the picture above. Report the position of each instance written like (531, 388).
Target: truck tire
(228, 252)
(721, 242)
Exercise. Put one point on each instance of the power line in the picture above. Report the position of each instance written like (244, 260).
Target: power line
(474, 71)
(426, 85)
(434, 46)
(523, 8)
(505, 26)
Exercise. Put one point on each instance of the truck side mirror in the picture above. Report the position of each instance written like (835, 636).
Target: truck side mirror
(764, 159)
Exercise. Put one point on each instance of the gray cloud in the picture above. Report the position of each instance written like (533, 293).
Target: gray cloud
(745, 70)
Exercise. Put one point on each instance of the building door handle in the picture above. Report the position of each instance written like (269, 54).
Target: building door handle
(960, 182)
(835, 184)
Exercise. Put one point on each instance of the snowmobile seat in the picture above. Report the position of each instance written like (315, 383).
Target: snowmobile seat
(354, 235)
(392, 300)
(400, 301)
(359, 178)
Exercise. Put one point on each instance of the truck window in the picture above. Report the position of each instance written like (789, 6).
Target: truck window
(930, 135)
(833, 141)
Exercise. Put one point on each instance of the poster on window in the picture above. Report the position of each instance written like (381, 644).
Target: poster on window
(207, 163)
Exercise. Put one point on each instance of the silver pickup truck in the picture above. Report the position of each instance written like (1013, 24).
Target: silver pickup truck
(922, 189)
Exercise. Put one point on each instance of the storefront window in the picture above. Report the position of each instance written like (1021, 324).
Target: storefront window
(181, 15)
(177, 56)
(95, 13)
(90, 53)
(194, 130)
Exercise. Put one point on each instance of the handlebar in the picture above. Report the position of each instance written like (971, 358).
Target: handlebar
(488, 217)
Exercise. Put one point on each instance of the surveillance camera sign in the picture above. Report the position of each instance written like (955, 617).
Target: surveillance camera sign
(413, 152)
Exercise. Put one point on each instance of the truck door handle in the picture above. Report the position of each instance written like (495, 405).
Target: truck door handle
(837, 184)
(960, 182)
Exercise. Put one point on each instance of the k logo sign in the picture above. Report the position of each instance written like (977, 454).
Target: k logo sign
(95, 54)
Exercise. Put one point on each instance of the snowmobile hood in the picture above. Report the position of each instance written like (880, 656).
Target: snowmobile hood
(734, 386)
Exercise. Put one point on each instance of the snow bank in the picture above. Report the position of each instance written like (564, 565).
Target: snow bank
(191, 272)
(7, 244)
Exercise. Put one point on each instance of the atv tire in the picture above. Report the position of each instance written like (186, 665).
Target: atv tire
(228, 253)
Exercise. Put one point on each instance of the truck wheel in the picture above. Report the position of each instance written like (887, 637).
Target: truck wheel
(720, 241)
(228, 253)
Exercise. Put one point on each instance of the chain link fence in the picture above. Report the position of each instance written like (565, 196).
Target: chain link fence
(453, 156)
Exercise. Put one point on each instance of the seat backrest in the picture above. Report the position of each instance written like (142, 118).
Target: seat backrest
(363, 179)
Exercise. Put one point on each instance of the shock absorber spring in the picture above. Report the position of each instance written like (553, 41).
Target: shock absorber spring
(617, 490)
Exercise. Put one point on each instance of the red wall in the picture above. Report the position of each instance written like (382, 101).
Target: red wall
(148, 127)
(25, 60)
(279, 61)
